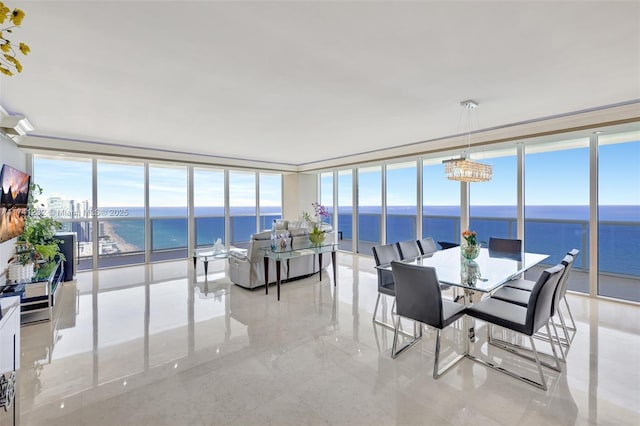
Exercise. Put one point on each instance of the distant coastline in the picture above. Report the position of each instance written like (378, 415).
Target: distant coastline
(120, 244)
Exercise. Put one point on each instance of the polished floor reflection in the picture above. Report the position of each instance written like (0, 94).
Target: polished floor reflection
(161, 345)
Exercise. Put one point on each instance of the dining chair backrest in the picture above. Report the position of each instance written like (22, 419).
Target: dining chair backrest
(418, 294)
(447, 245)
(564, 283)
(505, 245)
(427, 245)
(384, 255)
(567, 262)
(541, 300)
(408, 249)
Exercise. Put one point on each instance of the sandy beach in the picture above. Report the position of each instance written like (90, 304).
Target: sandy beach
(120, 244)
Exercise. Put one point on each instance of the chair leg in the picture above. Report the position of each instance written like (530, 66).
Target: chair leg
(555, 330)
(543, 382)
(517, 350)
(540, 385)
(375, 314)
(395, 340)
(394, 348)
(387, 325)
(436, 371)
(573, 323)
(555, 354)
(435, 362)
(375, 310)
(565, 329)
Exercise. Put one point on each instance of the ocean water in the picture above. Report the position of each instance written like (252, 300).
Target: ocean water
(548, 229)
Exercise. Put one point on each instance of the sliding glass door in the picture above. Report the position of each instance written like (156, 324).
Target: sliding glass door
(401, 190)
(619, 216)
(557, 204)
(121, 224)
(440, 203)
(492, 206)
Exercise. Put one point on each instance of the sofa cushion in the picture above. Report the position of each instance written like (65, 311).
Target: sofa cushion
(296, 232)
(297, 224)
(264, 235)
(281, 224)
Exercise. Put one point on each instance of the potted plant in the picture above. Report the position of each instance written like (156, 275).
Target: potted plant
(317, 232)
(39, 230)
(21, 264)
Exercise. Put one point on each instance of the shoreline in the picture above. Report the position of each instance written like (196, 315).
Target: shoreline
(120, 244)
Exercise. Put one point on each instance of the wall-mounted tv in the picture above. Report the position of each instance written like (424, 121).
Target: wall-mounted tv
(13, 202)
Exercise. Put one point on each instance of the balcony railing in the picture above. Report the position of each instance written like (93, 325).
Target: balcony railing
(551, 236)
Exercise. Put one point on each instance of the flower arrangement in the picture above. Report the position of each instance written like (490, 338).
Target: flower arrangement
(317, 234)
(470, 237)
(321, 213)
(470, 248)
(10, 19)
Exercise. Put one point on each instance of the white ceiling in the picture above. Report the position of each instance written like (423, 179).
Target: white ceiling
(300, 82)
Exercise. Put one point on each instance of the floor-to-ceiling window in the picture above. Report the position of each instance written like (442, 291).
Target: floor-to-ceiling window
(270, 198)
(242, 207)
(557, 203)
(440, 203)
(208, 206)
(345, 209)
(619, 215)
(168, 212)
(492, 205)
(66, 183)
(369, 208)
(326, 194)
(128, 229)
(401, 190)
(121, 213)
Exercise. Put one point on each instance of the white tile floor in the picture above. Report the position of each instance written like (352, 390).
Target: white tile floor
(148, 345)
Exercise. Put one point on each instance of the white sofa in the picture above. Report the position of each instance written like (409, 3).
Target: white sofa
(246, 267)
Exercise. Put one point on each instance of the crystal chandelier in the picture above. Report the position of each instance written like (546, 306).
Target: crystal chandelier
(463, 169)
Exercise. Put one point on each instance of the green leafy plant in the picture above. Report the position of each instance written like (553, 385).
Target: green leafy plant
(39, 229)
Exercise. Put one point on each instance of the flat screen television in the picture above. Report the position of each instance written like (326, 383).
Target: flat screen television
(13, 202)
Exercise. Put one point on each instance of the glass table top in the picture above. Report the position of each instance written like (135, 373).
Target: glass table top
(486, 273)
(303, 250)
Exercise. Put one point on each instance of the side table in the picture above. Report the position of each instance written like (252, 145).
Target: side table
(207, 254)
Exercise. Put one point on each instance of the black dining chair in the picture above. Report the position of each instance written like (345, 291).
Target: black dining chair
(418, 298)
(447, 245)
(504, 247)
(526, 321)
(427, 246)
(408, 249)
(527, 285)
(522, 298)
(384, 255)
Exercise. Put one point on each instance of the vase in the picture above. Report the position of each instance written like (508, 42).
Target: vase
(470, 272)
(469, 251)
(317, 237)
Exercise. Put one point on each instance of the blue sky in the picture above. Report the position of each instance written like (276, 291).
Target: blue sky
(552, 178)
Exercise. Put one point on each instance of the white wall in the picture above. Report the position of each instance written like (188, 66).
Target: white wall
(11, 155)
(299, 191)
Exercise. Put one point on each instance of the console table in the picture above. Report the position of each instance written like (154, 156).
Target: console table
(285, 254)
(37, 295)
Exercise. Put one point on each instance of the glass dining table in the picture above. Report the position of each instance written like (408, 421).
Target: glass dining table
(488, 272)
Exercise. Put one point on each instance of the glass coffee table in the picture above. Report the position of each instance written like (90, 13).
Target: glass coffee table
(208, 254)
